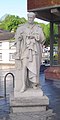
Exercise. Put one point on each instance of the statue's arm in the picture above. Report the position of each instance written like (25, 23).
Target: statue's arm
(18, 39)
(42, 37)
(18, 35)
(39, 35)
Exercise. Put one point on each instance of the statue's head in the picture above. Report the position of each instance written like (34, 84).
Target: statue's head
(31, 17)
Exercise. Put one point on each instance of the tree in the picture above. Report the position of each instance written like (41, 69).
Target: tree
(47, 34)
(11, 22)
(55, 33)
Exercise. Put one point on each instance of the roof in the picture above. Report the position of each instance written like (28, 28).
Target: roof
(6, 35)
(34, 4)
(48, 10)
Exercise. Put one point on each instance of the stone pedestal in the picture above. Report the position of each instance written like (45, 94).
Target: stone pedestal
(29, 101)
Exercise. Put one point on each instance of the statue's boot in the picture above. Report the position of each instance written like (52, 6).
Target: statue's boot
(35, 86)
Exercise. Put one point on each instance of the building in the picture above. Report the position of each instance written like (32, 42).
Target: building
(47, 9)
(6, 49)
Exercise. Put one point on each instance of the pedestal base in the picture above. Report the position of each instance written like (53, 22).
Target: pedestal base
(29, 101)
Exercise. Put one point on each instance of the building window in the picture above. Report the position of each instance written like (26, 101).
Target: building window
(11, 45)
(0, 44)
(0, 56)
(11, 57)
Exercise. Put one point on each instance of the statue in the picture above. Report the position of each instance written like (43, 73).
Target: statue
(29, 40)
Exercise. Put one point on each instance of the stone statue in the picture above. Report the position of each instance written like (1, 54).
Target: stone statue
(29, 40)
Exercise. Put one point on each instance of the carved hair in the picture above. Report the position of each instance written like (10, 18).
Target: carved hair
(31, 14)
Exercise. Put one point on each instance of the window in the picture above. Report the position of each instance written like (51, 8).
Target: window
(0, 44)
(11, 57)
(0, 56)
(11, 45)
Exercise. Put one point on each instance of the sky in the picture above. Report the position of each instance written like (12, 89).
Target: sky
(14, 7)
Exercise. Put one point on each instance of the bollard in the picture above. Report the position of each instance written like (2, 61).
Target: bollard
(5, 82)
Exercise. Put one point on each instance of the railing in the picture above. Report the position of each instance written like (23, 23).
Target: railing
(5, 82)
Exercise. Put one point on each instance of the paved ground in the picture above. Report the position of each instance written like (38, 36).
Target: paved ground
(51, 89)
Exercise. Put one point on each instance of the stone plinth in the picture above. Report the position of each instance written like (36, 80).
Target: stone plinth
(30, 92)
(29, 101)
(52, 73)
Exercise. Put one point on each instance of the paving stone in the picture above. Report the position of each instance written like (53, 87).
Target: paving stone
(50, 88)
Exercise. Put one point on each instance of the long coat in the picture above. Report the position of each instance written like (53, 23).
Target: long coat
(29, 41)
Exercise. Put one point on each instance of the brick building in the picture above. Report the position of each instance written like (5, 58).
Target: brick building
(32, 4)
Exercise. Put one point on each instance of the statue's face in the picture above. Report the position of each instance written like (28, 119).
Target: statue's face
(31, 19)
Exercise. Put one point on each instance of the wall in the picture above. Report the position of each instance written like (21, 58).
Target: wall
(33, 4)
(6, 55)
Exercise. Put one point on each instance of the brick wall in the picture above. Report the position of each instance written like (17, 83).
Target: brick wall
(32, 4)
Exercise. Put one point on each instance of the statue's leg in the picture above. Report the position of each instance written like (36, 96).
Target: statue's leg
(24, 76)
(33, 80)
(35, 84)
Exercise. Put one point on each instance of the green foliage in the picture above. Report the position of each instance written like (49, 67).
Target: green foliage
(11, 22)
(47, 34)
(55, 28)
(55, 33)
(55, 57)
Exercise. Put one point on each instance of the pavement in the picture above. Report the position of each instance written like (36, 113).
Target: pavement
(51, 88)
